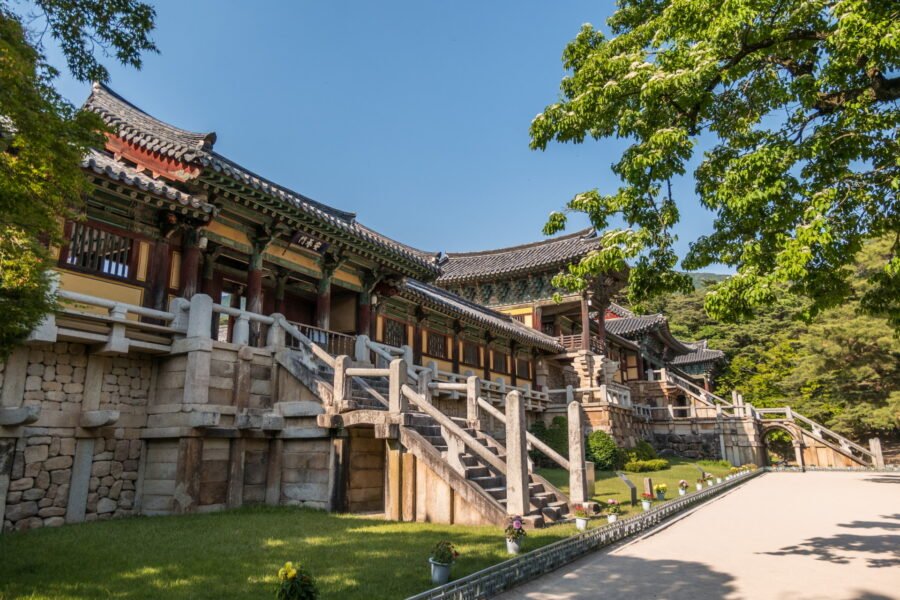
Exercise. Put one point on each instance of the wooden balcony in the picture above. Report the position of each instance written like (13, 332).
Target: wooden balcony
(575, 343)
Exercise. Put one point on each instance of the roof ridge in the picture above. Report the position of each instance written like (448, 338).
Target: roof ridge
(208, 137)
(583, 233)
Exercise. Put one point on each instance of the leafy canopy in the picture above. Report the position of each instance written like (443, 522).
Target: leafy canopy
(800, 98)
(43, 137)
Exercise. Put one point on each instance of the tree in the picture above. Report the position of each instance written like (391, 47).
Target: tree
(840, 367)
(800, 99)
(43, 137)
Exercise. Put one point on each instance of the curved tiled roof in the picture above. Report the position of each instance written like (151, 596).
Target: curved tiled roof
(134, 125)
(546, 254)
(109, 167)
(619, 310)
(634, 325)
(449, 303)
(698, 355)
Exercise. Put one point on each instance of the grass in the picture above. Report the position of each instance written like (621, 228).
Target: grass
(608, 485)
(237, 554)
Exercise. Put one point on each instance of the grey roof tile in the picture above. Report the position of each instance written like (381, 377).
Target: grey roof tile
(456, 306)
(697, 356)
(109, 167)
(135, 126)
(543, 255)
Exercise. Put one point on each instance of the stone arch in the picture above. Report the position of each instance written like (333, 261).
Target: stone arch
(789, 428)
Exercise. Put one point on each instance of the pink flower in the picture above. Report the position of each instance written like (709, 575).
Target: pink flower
(517, 524)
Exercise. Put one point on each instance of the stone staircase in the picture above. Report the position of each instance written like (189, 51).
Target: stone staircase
(548, 504)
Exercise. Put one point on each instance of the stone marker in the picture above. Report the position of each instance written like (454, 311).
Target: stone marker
(631, 487)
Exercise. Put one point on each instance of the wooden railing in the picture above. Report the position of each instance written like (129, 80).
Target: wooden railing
(574, 343)
(333, 342)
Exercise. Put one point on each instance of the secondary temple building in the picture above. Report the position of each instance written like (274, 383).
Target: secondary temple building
(224, 340)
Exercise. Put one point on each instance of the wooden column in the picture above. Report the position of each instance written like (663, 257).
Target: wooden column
(254, 279)
(455, 350)
(418, 319)
(280, 283)
(190, 261)
(513, 376)
(585, 322)
(364, 312)
(328, 265)
(601, 323)
(487, 356)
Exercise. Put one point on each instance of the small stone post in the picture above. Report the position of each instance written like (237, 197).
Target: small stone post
(473, 391)
(342, 384)
(798, 454)
(397, 402)
(424, 386)
(875, 448)
(578, 491)
(361, 349)
(517, 499)
(275, 335)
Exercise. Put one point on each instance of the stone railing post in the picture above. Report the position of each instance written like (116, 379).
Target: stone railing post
(875, 448)
(570, 394)
(200, 316)
(407, 354)
(342, 384)
(275, 335)
(425, 376)
(578, 492)
(517, 498)
(397, 402)
(473, 391)
(241, 333)
(361, 349)
(117, 343)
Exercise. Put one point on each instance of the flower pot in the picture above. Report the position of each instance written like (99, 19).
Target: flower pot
(612, 518)
(660, 496)
(581, 523)
(718, 480)
(440, 573)
(699, 486)
(682, 491)
(709, 483)
(513, 547)
(645, 504)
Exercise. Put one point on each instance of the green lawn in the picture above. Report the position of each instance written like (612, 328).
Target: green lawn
(237, 555)
(608, 485)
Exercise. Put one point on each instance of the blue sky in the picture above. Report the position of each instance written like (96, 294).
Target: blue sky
(412, 114)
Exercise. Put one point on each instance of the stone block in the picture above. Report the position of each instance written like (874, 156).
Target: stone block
(19, 485)
(67, 446)
(100, 468)
(54, 522)
(121, 451)
(33, 494)
(52, 511)
(37, 440)
(106, 505)
(58, 462)
(22, 510)
(33, 469)
(35, 454)
(42, 481)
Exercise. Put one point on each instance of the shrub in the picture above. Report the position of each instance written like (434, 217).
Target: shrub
(643, 466)
(715, 463)
(444, 553)
(556, 436)
(294, 583)
(603, 451)
(642, 451)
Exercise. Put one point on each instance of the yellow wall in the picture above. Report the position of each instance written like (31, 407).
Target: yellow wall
(103, 288)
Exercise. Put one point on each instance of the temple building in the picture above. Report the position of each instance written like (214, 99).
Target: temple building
(224, 340)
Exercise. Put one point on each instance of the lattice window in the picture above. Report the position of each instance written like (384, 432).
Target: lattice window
(523, 368)
(394, 333)
(99, 251)
(437, 345)
(471, 354)
(498, 362)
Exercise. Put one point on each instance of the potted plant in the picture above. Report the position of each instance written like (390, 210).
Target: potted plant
(646, 501)
(294, 583)
(700, 483)
(442, 556)
(515, 535)
(660, 489)
(682, 487)
(612, 510)
(581, 517)
(709, 479)
(718, 479)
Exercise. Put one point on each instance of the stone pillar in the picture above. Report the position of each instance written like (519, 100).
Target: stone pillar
(578, 490)
(342, 383)
(517, 498)
(473, 390)
(187, 475)
(393, 505)
(798, 454)
(79, 483)
(198, 346)
(397, 402)
(875, 448)
(273, 472)
(190, 262)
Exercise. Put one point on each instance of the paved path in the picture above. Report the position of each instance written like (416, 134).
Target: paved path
(782, 536)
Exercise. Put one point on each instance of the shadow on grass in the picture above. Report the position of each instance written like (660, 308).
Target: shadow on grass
(237, 554)
(612, 576)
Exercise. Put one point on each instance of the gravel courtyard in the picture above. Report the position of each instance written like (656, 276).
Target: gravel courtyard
(784, 536)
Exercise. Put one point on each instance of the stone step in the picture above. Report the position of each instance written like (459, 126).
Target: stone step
(477, 471)
(498, 492)
(489, 482)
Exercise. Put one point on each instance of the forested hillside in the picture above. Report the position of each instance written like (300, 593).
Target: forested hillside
(839, 367)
